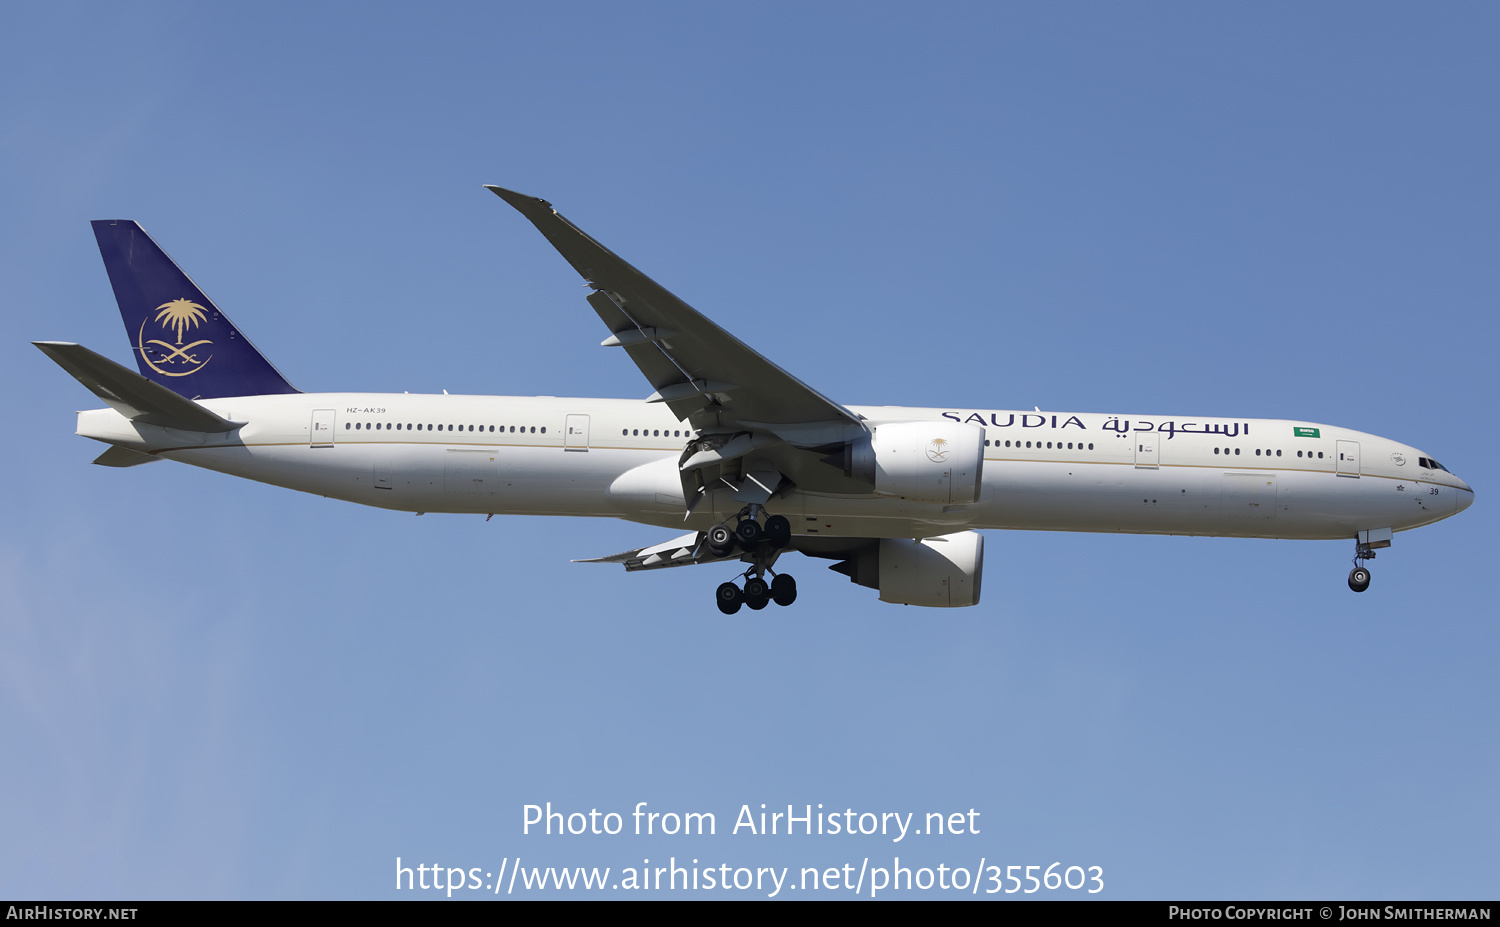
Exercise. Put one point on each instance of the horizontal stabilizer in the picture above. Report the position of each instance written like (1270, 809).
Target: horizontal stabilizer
(131, 394)
(124, 457)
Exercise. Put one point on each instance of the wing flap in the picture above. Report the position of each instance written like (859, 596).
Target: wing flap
(681, 551)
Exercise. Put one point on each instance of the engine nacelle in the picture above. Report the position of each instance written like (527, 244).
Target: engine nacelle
(940, 462)
(941, 572)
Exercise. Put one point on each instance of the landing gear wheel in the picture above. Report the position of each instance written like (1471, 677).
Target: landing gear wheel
(720, 540)
(1359, 579)
(783, 590)
(748, 532)
(778, 531)
(756, 593)
(729, 598)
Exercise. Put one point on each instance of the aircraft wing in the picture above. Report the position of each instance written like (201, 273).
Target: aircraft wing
(705, 375)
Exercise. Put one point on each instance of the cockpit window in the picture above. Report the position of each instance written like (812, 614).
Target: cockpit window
(1431, 464)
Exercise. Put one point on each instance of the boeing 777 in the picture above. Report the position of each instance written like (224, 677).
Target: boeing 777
(749, 460)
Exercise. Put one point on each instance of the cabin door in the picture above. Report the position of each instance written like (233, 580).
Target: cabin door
(320, 434)
(1348, 458)
(576, 437)
(1147, 450)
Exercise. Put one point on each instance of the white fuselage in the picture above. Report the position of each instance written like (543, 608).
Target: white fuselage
(618, 458)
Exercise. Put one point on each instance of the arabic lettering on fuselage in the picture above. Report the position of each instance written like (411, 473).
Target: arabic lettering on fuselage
(1114, 423)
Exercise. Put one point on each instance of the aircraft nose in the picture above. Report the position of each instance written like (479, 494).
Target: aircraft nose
(1464, 500)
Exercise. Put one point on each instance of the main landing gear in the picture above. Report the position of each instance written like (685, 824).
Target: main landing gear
(1359, 577)
(762, 543)
(757, 593)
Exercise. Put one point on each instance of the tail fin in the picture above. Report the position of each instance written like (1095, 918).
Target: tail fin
(179, 337)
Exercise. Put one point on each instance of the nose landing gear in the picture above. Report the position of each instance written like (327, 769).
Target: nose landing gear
(1359, 577)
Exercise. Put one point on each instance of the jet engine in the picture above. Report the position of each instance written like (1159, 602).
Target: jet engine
(940, 572)
(940, 462)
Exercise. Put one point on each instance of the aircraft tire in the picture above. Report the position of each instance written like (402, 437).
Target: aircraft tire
(1359, 579)
(749, 533)
(783, 590)
(778, 531)
(757, 595)
(729, 598)
(720, 540)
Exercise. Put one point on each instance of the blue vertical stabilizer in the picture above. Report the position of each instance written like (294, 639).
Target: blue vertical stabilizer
(179, 337)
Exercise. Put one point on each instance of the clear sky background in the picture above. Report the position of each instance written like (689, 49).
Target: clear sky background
(211, 688)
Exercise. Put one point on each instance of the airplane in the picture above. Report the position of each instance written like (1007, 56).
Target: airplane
(752, 462)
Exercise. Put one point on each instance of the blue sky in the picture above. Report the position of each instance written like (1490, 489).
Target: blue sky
(215, 689)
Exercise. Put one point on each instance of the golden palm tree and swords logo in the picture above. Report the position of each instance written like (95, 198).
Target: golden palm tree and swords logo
(937, 450)
(178, 316)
